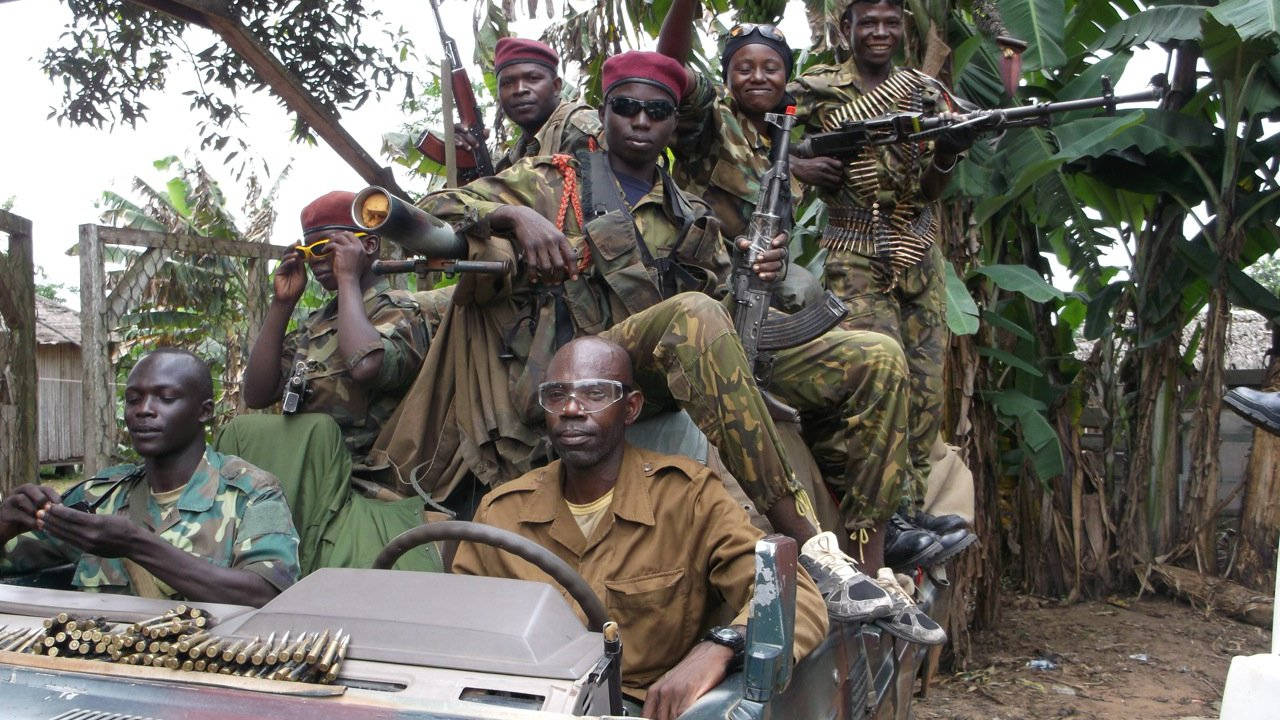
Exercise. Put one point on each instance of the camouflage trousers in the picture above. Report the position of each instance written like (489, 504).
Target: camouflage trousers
(911, 311)
(849, 386)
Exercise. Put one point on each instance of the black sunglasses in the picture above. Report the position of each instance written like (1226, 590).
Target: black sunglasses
(630, 107)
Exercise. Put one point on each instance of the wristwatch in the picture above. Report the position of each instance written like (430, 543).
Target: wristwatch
(732, 638)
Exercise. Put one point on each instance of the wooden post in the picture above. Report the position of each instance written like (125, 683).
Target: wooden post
(98, 385)
(18, 446)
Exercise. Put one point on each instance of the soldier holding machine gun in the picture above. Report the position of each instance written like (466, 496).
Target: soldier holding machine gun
(890, 140)
(882, 260)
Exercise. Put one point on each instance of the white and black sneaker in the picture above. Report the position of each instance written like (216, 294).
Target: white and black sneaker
(851, 595)
(907, 621)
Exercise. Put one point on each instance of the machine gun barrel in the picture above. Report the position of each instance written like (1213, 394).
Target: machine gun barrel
(850, 138)
(422, 266)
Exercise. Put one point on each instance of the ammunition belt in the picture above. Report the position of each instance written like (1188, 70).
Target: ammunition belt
(900, 238)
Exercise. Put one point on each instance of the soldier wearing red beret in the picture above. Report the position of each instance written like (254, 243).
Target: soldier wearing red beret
(360, 351)
(530, 93)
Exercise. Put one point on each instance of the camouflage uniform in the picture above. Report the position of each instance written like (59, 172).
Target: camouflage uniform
(684, 347)
(572, 127)
(720, 155)
(230, 513)
(360, 410)
(909, 304)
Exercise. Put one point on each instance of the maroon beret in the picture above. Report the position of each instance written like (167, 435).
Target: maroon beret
(331, 211)
(510, 51)
(646, 67)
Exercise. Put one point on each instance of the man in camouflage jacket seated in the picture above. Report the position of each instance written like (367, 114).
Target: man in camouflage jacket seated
(189, 523)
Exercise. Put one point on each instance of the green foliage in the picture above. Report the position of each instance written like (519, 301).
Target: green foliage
(115, 53)
(962, 311)
(1266, 271)
(197, 301)
(55, 291)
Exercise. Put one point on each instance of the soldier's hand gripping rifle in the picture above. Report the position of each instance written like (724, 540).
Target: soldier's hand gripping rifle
(850, 138)
(761, 334)
(471, 164)
(439, 248)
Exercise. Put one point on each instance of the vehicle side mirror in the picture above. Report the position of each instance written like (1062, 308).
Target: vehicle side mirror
(771, 628)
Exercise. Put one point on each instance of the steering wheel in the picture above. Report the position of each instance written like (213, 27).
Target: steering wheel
(522, 547)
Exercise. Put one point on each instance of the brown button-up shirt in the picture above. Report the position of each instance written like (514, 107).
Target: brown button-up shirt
(672, 551)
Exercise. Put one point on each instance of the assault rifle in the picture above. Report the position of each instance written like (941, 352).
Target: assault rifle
(751, 295)
(471, 165)
(378, 212)
(850, 138)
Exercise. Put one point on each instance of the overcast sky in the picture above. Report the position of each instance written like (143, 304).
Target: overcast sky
(56, 174)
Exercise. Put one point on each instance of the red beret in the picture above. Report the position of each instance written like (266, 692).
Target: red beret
(646, 67)
(510, 51)
(331, 211)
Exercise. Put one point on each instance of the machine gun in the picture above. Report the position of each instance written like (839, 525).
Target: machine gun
(377, 211)
(850, 138)
(471, 165)
(751, 295)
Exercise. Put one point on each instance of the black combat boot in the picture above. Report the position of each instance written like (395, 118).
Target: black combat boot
(940, 524)
(906, 546)
(1260, 408)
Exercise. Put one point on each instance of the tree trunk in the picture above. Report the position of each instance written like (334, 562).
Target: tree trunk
(1210, 593)
(18, 381)
(1145, 507)
(1206, 471)
(1255, 564)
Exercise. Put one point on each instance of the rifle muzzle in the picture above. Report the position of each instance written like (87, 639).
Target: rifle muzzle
(377, 211)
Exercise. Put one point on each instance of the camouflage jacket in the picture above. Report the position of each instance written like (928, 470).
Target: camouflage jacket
(231, 513)
(570, 128)
(614, 281)
(360, 410)
(823, 90)
(720, 155)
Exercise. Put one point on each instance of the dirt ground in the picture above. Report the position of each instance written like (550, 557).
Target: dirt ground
(1154, 658)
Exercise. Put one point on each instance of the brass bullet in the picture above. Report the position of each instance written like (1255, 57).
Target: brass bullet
(298, 650)
(260, 653)
(317, 647)
(273, 655)
(197, 650)
(242, 657)
(325, 661)
(199, 665)
(230, 653)
(190, 641)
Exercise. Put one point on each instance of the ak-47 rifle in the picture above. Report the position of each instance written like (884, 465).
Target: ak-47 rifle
(761, 334)
(849, 139)
(471, 164)
(378, 212)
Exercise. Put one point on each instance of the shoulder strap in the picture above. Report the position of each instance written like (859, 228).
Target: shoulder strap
(604, 196)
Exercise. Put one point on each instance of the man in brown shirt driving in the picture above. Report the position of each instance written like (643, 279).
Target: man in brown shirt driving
(656, 536)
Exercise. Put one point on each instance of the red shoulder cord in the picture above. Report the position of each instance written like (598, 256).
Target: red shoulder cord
(568, 197)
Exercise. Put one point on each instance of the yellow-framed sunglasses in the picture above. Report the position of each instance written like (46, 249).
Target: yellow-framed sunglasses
(315, 249)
